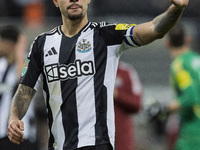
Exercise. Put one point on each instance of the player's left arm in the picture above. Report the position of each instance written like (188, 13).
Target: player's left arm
(157, 28)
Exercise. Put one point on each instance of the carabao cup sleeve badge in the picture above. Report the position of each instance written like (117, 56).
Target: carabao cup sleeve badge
(25, 67)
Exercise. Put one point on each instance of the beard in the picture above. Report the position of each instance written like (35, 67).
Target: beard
(75, 17)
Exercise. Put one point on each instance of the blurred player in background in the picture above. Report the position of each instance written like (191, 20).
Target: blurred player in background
(77, 64)
(185, 80)
(12, 56)
(127, 101)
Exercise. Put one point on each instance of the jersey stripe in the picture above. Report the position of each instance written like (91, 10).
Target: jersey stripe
(84, 96)
(55, 100)
(69, 109)
(109, 82)
(100, 92)
(49, 114)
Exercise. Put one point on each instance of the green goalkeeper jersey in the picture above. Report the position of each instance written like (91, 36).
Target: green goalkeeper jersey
(185, 79)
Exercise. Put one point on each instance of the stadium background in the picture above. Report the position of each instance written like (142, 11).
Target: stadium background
(151, 62)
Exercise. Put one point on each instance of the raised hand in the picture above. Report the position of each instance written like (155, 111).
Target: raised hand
(180, 3)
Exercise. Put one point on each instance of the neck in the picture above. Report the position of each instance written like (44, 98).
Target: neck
(72, 27)
(178, 51)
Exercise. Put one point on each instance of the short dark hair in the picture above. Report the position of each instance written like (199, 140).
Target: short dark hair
(9, 32)
(176, 35)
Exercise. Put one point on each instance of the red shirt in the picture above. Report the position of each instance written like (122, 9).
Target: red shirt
(128, 102)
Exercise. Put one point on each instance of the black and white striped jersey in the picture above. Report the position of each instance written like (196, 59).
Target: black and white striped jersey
(78, 77)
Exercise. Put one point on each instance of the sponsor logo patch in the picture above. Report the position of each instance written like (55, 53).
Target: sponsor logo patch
(51, 52)
(57, 72)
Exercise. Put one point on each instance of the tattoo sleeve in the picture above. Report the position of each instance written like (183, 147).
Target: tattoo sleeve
(166, 21)
(21, 101)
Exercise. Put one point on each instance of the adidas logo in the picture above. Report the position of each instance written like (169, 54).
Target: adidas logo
(51, 52)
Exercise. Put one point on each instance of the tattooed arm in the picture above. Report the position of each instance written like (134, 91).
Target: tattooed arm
(19, 106)
(157, 28)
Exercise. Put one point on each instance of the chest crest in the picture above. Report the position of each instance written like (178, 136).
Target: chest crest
(84, 46)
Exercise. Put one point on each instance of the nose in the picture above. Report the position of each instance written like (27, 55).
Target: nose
(73, 0)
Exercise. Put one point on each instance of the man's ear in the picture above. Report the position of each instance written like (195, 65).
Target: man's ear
(55, 2)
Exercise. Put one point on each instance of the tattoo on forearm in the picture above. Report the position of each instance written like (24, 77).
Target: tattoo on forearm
(138, 38)
(166, 20)
(21, 101)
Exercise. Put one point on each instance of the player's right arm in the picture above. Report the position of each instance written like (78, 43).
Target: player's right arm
(19, 107)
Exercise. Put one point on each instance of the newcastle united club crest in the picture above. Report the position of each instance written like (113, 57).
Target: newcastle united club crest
(84, 46)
